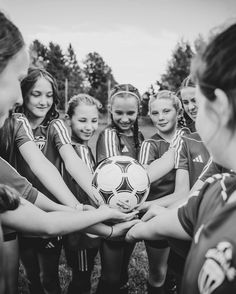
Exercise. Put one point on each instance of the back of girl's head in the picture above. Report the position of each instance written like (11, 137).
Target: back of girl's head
(81, 99)
(187, 82)
(215, 67)
(124, 91)
(9, 198)
(167, 95)
(27, 85)
(11, 41)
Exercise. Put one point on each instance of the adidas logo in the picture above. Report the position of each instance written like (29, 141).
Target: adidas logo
(125, 149)
(198, 159)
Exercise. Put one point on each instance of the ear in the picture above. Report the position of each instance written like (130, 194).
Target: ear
(109, 107)
(180, 113)
(68, 121)
(221, 106)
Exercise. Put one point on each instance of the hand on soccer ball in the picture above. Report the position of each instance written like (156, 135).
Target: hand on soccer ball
(154, 210)
(117, 216)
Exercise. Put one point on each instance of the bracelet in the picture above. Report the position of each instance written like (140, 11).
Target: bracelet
(79, 206)
(109, 236)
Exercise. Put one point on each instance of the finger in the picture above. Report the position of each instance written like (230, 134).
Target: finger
(147, 216)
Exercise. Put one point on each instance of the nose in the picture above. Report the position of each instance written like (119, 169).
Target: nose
(124, 118)
(43, 100)
(19, 100)
(161, 116)
(88, 126)
(191, 106)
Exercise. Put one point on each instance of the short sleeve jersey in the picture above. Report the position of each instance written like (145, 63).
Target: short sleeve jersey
(151, 150)
(212, 168)
(49, 139)
(112, 143)
(210, 220)
(192, 156)
(85, 153)
(20, 132)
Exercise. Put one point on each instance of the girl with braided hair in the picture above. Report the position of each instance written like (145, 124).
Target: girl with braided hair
(121, 137)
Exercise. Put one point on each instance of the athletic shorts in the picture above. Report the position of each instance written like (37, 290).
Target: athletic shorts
(158, 244)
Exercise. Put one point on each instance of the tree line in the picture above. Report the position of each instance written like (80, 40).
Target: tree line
(95, 77)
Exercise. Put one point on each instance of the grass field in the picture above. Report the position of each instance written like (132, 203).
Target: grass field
(138, 268)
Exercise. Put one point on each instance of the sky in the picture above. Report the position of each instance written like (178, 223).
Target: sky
(135, 37)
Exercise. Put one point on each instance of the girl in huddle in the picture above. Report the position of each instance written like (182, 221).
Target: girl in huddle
(164, 109)
(122, 137)
(208, 218)
(40, 257)
(81, 249)
(14, 62)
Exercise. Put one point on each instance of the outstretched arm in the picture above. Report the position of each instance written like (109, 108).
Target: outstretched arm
(77, 169)
(161, 166)
(51, 179)
(59, 223)
(165, 224)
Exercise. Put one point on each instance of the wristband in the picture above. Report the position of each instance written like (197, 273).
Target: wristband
(109, 236)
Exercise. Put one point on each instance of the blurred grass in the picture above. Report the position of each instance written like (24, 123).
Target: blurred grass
(138, 268)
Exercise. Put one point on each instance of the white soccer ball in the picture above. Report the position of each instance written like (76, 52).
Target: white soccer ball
(121, 182)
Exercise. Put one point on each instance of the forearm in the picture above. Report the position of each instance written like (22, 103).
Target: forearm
(44, 203)
(51, 223)
(161, 166)
(160, 227)
(54, 182)
(168, 200)
(82, 175)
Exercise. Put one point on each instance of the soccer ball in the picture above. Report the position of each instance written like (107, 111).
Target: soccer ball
(121, 182)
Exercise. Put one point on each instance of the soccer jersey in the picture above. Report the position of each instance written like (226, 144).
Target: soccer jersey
(9, 176)
(212, 168)
(151, 150)
(85, 153)
(19, 132)
(111, 142)
(192, 156)
(49, 139)
(210, 220)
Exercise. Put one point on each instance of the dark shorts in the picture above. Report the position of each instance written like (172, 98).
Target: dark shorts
(40, 244)
(158, 244)
(9, 236)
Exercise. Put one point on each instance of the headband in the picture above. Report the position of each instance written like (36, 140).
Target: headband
(126, 92)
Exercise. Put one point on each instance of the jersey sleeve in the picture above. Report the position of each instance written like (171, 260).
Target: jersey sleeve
(148, 152)
(23, 132)
(84, 154)
(60, 133)
(181, 155)
(10, 177)
(107, 145)
(209, 170)
(188, 213)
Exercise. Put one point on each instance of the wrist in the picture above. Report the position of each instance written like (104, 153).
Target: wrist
(79, 206)
(110, 234)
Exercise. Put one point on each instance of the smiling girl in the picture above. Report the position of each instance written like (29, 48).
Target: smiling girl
(122, 137)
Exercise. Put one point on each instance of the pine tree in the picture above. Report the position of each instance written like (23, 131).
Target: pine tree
(99, 76)
(178, 67)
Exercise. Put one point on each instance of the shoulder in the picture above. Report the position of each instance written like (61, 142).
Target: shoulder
(220, 185)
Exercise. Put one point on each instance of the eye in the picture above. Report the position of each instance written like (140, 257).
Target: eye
(82, 120)
(50, 95)
(118, 112)
(166, 110)
(154, 113)
(130, 112)
(35, 93)
(185, 102)
(94, 120)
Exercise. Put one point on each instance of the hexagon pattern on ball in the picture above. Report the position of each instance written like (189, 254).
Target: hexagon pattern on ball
(121, 182)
